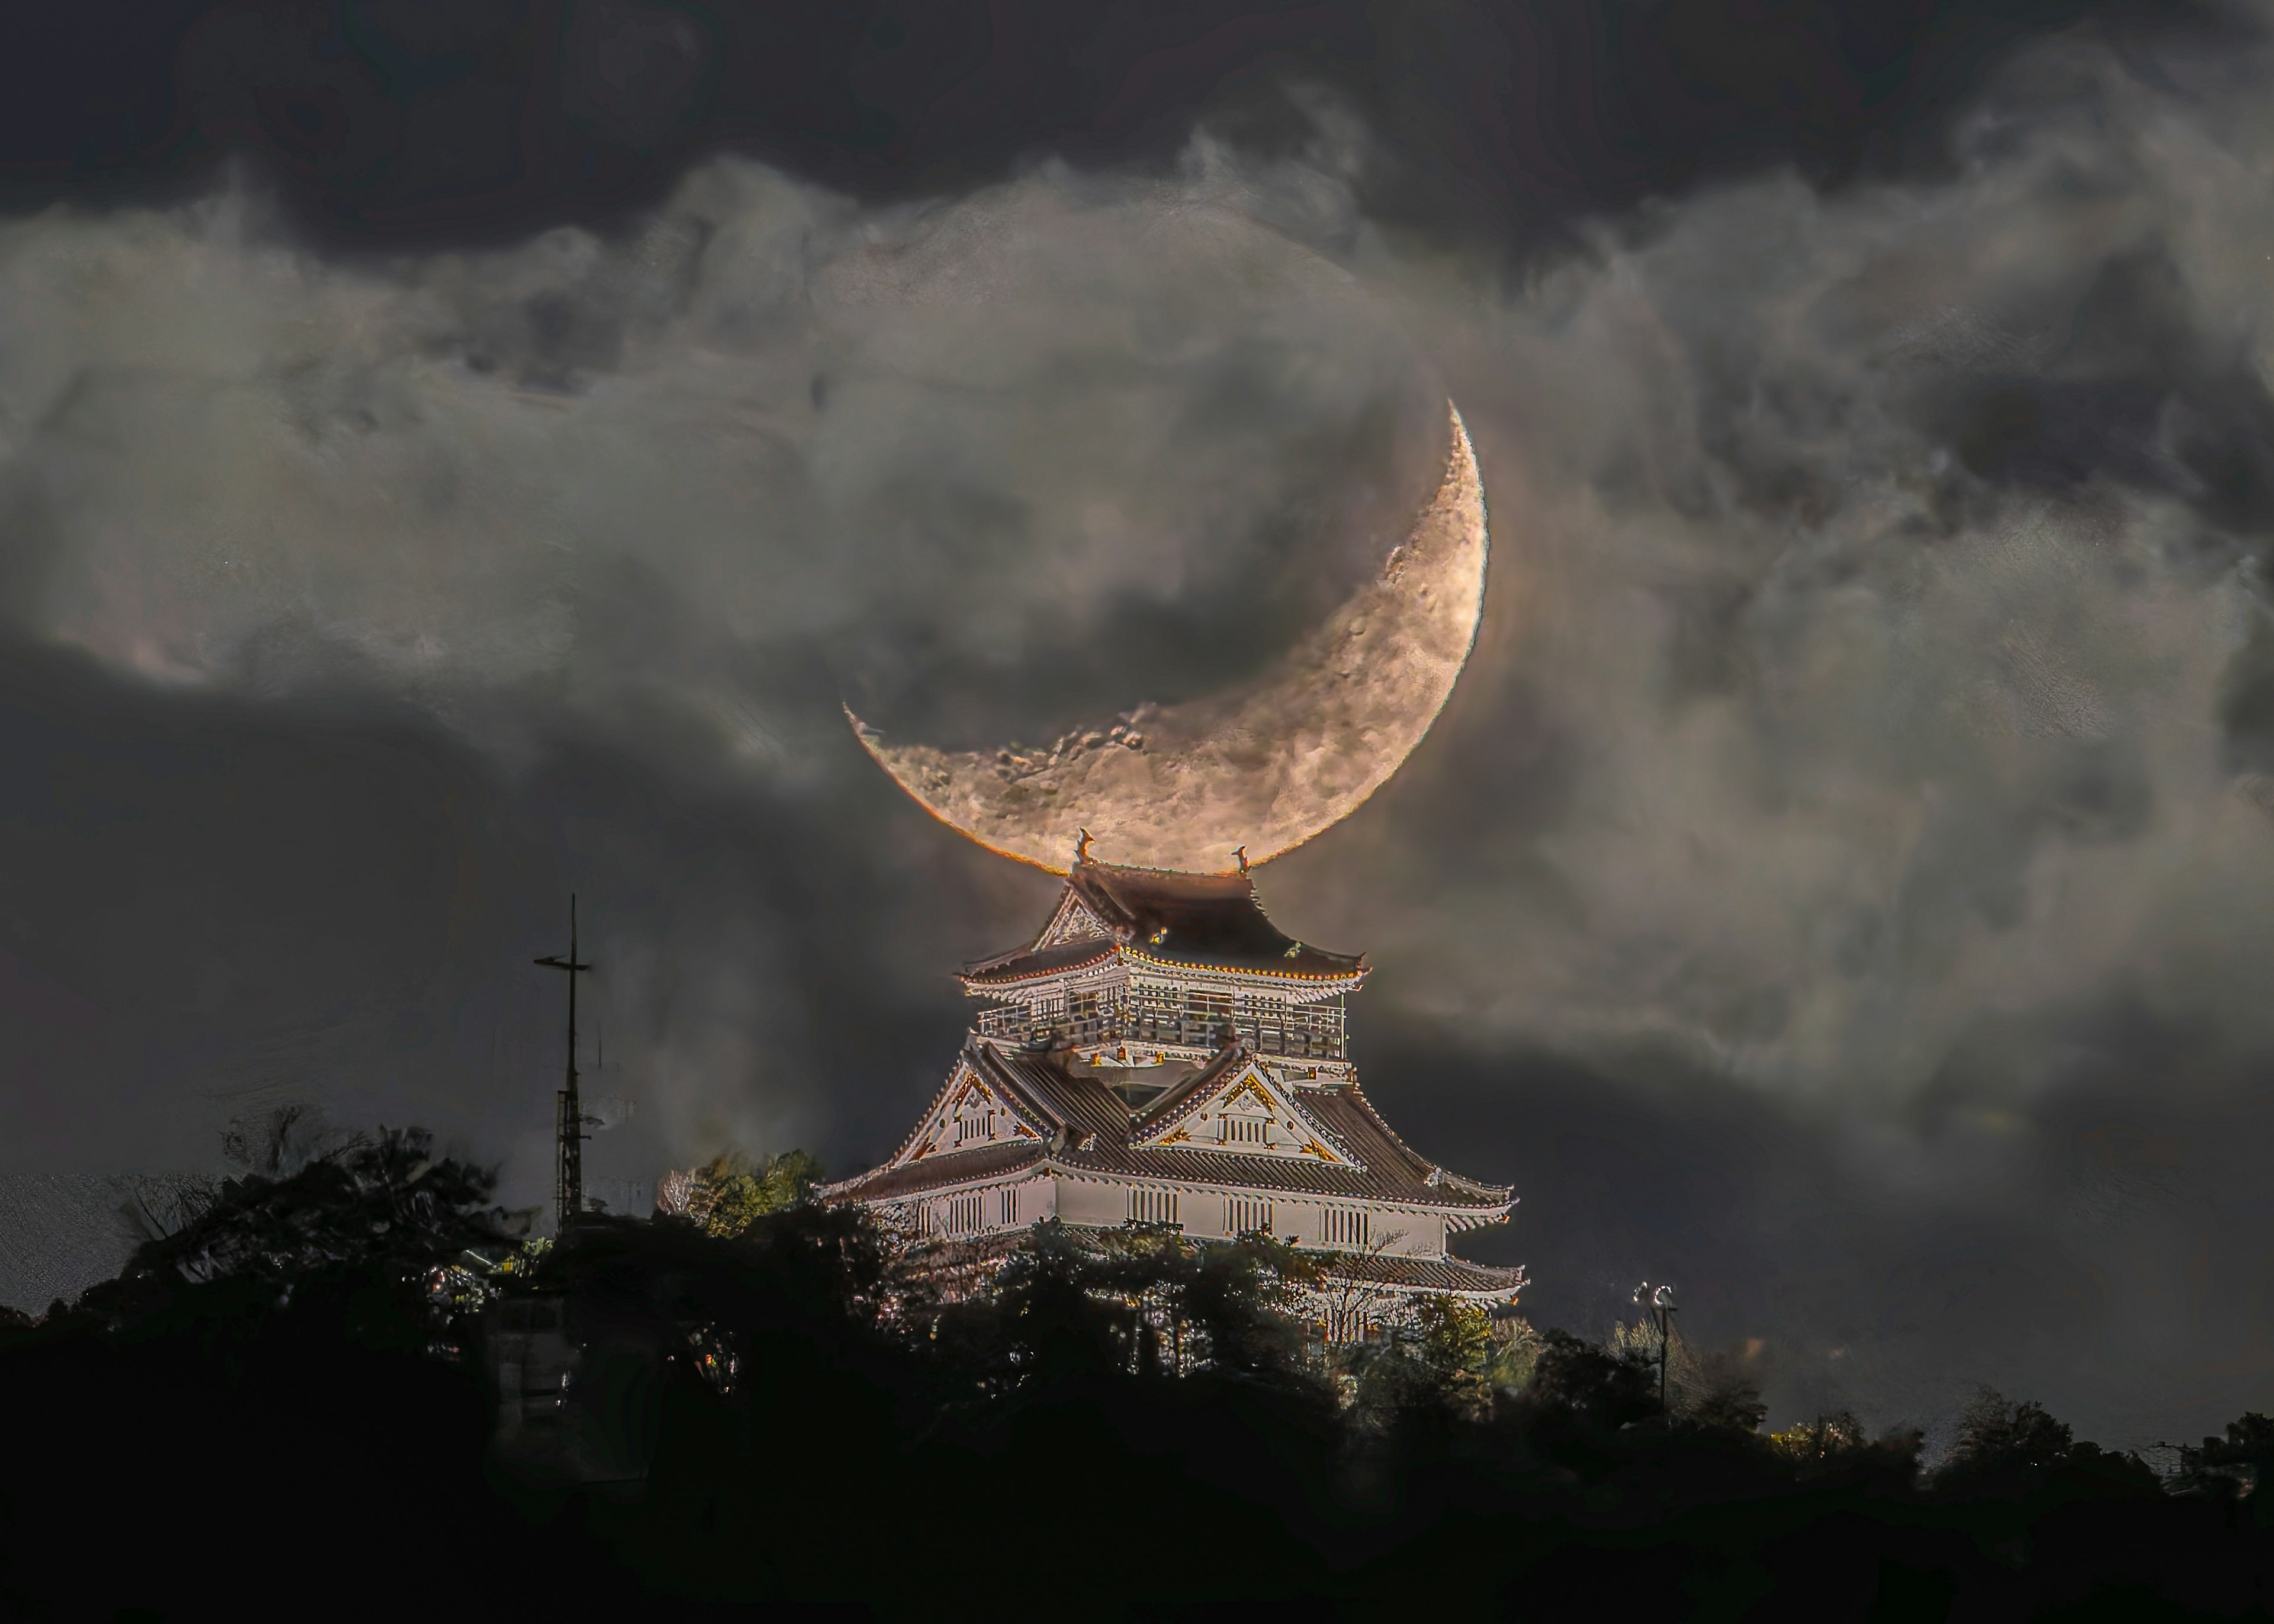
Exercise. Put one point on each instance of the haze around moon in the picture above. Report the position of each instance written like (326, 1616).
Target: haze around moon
(1266, 767)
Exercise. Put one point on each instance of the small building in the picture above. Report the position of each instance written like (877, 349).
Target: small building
(1162, 1053)
(577, 1375)
(532, 1359)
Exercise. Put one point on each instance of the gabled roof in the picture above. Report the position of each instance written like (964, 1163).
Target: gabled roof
(1212, 920)
(1021, 1122)
(1090, 1129)
(1163, 1121)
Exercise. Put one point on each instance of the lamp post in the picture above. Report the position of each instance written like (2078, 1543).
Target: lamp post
(1659, 1302)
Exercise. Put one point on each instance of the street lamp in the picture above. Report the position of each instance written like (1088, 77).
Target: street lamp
(1659, 1302)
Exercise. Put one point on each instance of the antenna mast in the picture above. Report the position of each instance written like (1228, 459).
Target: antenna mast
(569, 1184)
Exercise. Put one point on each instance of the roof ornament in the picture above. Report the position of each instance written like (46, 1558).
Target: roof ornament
(1081, 852)
(1241, 852)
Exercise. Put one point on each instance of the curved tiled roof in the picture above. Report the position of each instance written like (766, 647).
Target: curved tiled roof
(1455, 1276)
(1064, 1098)
(955, 1167)
(1099, 1135)
(1025, 965)
(1212, 921)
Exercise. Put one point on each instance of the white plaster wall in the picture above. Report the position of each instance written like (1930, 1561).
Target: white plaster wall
(1037, 1200)
(1415, 1236)
(1082, 1201)
(1106, 1205)
(1423, 1236)
(1296, 1221)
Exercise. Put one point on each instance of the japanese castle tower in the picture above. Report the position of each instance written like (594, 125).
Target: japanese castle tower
(1162, 1053)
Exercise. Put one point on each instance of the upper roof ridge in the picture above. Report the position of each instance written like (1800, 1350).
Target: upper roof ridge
(1205, 920)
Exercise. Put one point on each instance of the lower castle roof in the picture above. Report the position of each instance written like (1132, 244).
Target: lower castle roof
(1438, 1276)
(1443, 1276)
(1093, 1131)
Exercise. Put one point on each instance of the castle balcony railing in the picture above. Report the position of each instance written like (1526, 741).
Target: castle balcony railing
(1311, 1035)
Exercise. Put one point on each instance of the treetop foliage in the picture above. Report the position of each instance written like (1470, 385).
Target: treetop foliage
(732, 1190)
(386, 1205)
(767, 1378)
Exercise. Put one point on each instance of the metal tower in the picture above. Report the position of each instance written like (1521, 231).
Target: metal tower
(569, 1185)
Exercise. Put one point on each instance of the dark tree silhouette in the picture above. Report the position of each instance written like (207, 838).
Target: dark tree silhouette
(1143, 1301)
(2003, 1447)
(385, 1206)
(807, 1417)
(1733, 1408)
(2233, 1466)
(1591, 1384)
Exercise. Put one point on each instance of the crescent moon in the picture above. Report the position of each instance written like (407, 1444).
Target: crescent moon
(1265, 768)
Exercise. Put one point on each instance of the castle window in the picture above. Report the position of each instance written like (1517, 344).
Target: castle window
(979, 1127)
(1244, 1131)
(1158, 1013)
(963, 1215)
(1346, 1226)
(1207, 1009)
(1007, 1204)
(1243, 1214)
(1152, 1206)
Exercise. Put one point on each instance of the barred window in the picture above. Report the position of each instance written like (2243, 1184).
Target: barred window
(963, 1214)
(979, 1127)
(1346, 1226)
(1007, 1204)
(1244, 1131)
(1152, 1206)
(1243, 1214)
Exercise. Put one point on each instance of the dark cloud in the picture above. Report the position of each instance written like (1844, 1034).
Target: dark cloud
(390, 125)
(217, 908)
(2091, 1247)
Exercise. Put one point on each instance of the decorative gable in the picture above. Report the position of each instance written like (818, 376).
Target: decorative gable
(1073, 922)
(968, 1115)
(1251, 1114)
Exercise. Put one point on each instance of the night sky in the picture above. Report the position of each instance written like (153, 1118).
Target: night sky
(451, 455)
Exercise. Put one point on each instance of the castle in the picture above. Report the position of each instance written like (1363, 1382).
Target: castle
(1161, 1053)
